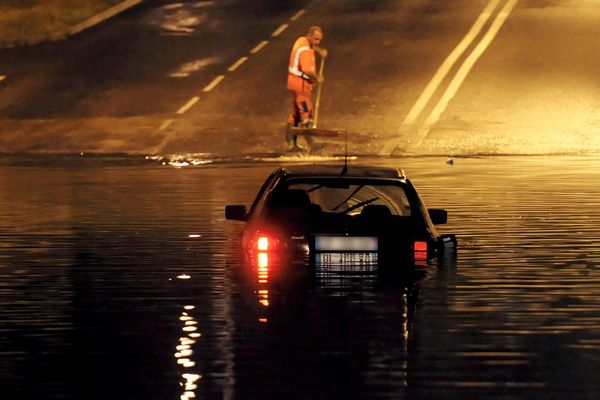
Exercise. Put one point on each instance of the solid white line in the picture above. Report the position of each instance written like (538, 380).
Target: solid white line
(214, 83)
(440, 74)
(236, 64)
(298, 15)
(259, 46)
(464, 70)
(450, 61)
(188, 105)
(278, 31)
(104, 15)
(165, 124)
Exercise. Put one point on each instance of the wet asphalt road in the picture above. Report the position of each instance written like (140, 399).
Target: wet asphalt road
(121, 280)
(525, 83)
(120, 275)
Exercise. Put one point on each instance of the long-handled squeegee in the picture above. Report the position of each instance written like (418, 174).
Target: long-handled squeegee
(314, 131)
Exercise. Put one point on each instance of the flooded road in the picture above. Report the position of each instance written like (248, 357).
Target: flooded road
(119, 279)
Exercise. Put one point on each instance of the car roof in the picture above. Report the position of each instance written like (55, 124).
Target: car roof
(335, 171)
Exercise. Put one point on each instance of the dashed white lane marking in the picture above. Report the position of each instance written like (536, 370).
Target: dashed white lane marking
(298, 15)
(278, 31)
(259, 46)
(236, 64)
(463, 71)
(440, 74)
(165, 124)
(214, 83)
(188, 105)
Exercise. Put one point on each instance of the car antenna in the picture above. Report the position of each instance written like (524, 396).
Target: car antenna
(345, 168)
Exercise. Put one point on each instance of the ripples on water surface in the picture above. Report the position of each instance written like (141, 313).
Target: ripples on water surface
(119, 280)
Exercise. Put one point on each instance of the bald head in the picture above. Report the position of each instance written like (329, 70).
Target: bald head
(314, 35)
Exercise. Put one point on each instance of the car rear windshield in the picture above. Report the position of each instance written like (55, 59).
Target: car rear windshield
(353, 198)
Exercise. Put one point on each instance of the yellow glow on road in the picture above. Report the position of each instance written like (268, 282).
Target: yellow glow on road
(464, 70)
(165, 124)
(458, 79)
(446, 66)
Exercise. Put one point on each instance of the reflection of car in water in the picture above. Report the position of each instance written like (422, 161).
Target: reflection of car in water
(333, 342)
(364, 220)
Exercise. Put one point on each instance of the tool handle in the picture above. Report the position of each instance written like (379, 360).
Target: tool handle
(318, 98)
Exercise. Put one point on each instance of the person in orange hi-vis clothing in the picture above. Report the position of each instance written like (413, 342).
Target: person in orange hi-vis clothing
(302, 75)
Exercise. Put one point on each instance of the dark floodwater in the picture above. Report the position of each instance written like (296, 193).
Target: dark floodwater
(120, 280)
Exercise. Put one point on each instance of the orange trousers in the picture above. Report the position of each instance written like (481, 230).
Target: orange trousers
(302, 107)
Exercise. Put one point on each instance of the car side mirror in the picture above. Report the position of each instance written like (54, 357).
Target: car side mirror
(438, 216)
(236, 212)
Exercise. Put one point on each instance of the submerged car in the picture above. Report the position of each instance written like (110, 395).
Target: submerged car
(359, 219)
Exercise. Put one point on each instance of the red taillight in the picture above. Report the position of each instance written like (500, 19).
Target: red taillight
(264, 250)
(265, 241)
(420, 249)
(420, 246)
(262, 244)
(262, 257)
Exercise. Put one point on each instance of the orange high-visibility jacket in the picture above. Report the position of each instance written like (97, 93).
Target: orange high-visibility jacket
(302, 60)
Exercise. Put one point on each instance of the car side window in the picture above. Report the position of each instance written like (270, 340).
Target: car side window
(260, 200)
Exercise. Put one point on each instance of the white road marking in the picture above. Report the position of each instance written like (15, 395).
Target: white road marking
(278, 31)
(298, 15)
(259, 46)
(214, 83)
(236, 64)
(439, 76)
(188, 105)
(165, 124)
(449, 62)
(463, 71)
(190, 67)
